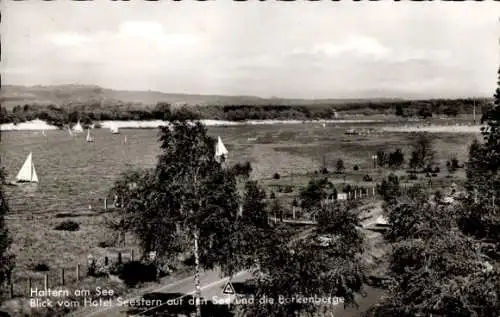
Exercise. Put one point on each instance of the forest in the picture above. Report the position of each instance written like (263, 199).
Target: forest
(60, 115)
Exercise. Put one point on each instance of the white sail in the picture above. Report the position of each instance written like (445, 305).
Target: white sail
(89, 137)
(70, 132)
(27, 173)
(78, 127)
(220, 149)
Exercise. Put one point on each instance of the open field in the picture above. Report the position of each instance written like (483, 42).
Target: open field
(74, 174)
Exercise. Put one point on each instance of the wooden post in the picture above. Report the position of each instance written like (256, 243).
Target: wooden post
(106, 260)
(62, 276)
(373, 190)
(29, 285)
(77, 272)
(119, 258)
(105, 203)
(132, 255)
(293, 213)
(355, 193)
(46, 281)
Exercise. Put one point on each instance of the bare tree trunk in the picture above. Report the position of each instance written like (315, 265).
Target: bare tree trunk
(197, 274)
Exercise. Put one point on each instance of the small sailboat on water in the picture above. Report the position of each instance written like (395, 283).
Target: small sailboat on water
(89, 137)
(78, 127)
(220, 150)
(27, 173)
(125, 140)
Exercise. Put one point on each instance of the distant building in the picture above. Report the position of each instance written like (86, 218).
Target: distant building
(342, 196)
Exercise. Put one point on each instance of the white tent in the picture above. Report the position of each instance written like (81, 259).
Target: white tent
(27, 173)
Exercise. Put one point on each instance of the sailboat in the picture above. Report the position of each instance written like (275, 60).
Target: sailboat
(125, 140)
(89, 137)
(27, 173)
(220, 149)
(78, 127)
(114, 129)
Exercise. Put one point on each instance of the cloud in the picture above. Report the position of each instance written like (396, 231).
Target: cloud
(68, 39)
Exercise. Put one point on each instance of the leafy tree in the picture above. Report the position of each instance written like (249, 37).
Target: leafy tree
(399, 110)
(340, 166)
(444, 276)
(188, 194)
(307, 268)
(389, 189)
(423, 154)
(396, 159)
(425, 113)
(162, 111)
(316, 191)
(382, 158)
(483, 179)
(6, 258)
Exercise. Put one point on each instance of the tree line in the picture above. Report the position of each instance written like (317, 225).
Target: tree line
(60, 115)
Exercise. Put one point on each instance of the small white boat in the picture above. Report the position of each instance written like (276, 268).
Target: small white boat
(115, 130)
(89, 137)
(27, 173)
(78, 127)
(220, 150)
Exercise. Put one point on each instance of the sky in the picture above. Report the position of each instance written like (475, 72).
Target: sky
(269, 49)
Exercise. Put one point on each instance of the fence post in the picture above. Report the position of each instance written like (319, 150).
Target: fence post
(132, 255)
(62, 276)
(106, 260)
(293, 213)
(46, 281)
(29, 285)
(105, 203)
(119, 258)
(77, 271)
(373, 190)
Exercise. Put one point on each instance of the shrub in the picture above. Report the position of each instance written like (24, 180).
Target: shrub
(276, 176)
(356, 168)
(288, 189)
(68, 225)
(324, 171)
(367, 178)
(272, 195)
(135, 272)
(41, 267)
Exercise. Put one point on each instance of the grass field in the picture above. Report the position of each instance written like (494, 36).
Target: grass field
(75, 174)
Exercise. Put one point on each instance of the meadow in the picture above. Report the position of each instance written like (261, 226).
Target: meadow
(75, 175)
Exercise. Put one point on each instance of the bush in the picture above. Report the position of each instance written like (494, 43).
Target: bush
(41, 267)
(367, 178)
(135, 272)
(356, 168)
(68, 225)
(272, 195)
(288, 189)
(324, 171)
(276, 176)
(413, 177)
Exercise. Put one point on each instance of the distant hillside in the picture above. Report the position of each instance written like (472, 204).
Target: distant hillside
(11, 96)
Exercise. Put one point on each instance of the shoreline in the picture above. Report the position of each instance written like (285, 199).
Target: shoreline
(38, 125)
